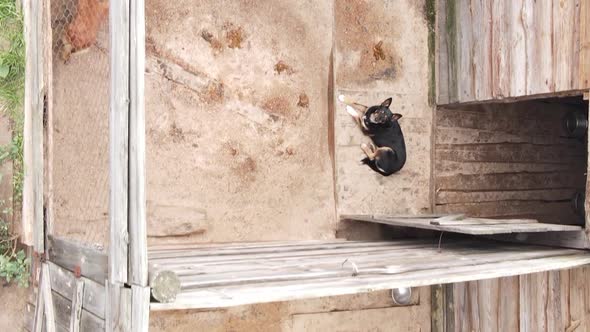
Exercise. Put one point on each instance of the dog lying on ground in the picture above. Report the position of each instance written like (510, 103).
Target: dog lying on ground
(386, 154)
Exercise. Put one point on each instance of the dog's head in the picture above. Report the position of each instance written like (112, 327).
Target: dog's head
(382, 114)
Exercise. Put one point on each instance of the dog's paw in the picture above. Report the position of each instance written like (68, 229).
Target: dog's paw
(352, 112)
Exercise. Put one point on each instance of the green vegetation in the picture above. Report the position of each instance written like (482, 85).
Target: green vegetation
(13, 263)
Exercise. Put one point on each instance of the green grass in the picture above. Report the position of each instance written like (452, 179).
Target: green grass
(13, 263)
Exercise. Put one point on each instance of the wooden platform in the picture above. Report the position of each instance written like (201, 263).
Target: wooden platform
(471, 226)
(215, 276)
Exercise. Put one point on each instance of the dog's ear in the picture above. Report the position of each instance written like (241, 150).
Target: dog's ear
(396, 116)
(386, 103)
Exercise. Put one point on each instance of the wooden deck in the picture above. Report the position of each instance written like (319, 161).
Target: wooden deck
(237, 274)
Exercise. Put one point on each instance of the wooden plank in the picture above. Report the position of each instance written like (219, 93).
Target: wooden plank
(119, 139)
(481, 221)
(295, 246)
(533, 297)
(77, 299)
(69, 255)
(539, 46)
(28, 225)
(118, 314)
(500, 13)
(283, 291)
(518, 52)
(564, 12)
(471, 229)
(39, 310)
(383, 266)
(48, 139)
(441, 52)
(33, 226)
(48, 303)
(452, 49)
(539, 195)
(575, 240)
(194, 257)
(584, 46)
(509, 181)
(64, 282)
(481, 48)
(544, 211)
(437, 303)
(140, 300)
(138, 271)
(506, 152)
(465, 75)
(579, 293)
(63, 309)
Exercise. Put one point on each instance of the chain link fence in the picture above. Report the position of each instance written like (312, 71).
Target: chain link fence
(80, 101)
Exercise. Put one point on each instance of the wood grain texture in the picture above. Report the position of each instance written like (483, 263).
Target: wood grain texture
(507, 161)
(140, 312)
(500, 48)
(137, 168)
(584, 45)
(65, 282)
(77, 300)
(69, 255)
(309, 273)
(547, 301)
(50, 306)
(33, 226)
(119, 141)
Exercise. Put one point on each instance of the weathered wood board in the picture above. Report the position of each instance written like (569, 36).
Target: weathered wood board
(220, 277)
(547, 301)
(504, 49)
(372, 41)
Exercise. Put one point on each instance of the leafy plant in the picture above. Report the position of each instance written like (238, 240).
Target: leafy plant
(14, 264)
(15, 268)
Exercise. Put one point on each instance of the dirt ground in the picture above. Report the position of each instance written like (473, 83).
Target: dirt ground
(12, 307)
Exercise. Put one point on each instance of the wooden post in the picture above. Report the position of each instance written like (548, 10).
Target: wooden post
(140, 300)
(47, 297)
(33, 229)
(119, 130)
(138, 261)
(120, 298)
(138, 269)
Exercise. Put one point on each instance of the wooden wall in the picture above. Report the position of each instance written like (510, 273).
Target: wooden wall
(507, 160)
(511, 48)
(549, 301)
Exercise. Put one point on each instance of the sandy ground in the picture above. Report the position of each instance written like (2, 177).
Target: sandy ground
(12, 307)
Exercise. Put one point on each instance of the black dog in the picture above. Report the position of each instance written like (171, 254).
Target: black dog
(386, 155)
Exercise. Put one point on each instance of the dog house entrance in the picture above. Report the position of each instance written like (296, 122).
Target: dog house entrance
(504, 168)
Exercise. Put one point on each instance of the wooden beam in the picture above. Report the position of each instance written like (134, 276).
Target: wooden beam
(138, 270)
(584, 56)
(39, 310)
(69, 255)
(118, 314)
(140, 300)
(45, 290)
(119, 136)
(77, 300)
(33, 228)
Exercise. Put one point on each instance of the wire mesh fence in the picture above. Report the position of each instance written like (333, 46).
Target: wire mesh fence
(80, 108)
